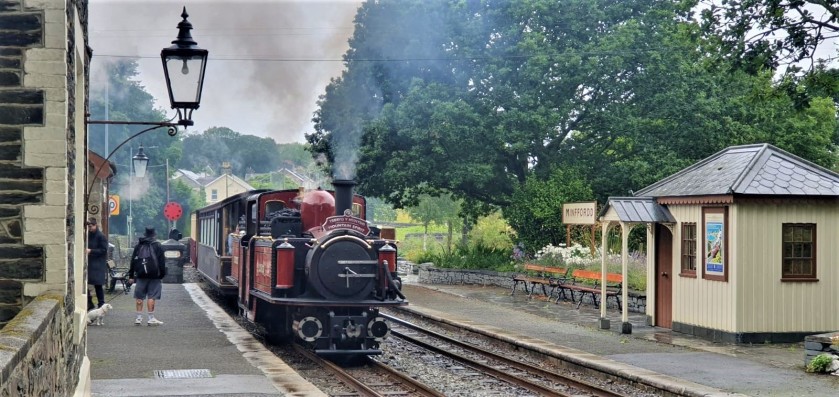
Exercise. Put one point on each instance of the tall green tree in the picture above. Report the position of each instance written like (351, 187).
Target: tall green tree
(218, 145)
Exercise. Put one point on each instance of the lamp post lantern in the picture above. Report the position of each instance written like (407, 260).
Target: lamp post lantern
(184, 64)
(184, 84)
(140, 161)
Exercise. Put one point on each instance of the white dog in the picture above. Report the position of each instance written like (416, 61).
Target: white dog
(97, 316)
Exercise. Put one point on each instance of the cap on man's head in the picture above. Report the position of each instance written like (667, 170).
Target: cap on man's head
(91, 221)
(150, 232)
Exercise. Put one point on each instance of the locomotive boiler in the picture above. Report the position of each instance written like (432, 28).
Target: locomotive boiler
(304, 265)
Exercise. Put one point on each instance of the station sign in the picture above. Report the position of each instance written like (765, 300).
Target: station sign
(113, 204)
(579, 213)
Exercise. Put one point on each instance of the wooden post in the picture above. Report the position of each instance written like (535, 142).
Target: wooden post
(567, 236)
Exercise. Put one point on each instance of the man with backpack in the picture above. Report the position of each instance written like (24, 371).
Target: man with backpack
(149, 265)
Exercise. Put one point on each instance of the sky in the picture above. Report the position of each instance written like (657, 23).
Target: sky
(268, 60)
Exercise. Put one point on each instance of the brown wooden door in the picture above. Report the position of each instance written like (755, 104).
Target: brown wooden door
(664, 277)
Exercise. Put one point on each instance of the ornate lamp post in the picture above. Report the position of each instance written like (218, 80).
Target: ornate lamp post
(184, 83)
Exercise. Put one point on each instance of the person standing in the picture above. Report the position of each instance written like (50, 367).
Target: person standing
(97, 258)
(148, 264)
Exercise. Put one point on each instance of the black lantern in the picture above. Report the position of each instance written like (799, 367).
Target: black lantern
(140, 161)
(184, 63)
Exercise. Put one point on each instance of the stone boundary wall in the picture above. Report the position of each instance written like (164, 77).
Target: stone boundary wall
(818, 344)
(37, 353)
(432, 275)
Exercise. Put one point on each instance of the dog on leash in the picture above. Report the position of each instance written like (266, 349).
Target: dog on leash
(97, 316)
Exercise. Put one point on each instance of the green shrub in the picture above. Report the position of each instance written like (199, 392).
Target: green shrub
(474, 257)
(820, 363)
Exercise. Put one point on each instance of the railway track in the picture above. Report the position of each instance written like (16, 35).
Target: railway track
(519, 373)
(386, 382)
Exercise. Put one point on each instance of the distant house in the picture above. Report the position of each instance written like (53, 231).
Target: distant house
(216, 188)
(101, 175)
(300, 179)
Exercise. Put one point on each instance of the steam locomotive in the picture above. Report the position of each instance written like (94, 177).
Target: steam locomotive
(305, 265)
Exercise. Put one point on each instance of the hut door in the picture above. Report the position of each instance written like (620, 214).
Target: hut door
(664, 277)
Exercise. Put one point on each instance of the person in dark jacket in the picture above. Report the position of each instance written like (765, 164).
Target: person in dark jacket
(97, 258)
(149, 287)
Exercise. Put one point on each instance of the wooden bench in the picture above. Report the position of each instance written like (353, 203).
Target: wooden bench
(614, 283)
(545, 276)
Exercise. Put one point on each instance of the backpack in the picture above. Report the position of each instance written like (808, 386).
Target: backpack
(145, 263)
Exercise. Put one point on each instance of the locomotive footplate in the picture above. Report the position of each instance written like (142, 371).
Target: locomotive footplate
(321, 302)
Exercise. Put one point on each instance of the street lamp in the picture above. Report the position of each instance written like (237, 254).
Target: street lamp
(140, 161)
(184, 86)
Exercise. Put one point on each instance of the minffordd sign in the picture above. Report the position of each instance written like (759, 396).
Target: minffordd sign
(579, 213)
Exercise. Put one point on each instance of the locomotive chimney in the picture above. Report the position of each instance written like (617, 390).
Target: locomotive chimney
(343, 195)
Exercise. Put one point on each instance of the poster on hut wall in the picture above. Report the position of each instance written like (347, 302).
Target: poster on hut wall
(715, 248)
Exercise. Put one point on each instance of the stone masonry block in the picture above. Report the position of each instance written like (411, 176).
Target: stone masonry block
(44, 160)
(22, 269)
(23, 97)
(45, 67)
(55, 16)
(35, 289)
(11, 292)
(47, 147)
(42, 81)
(57, 174)
(44, 4)
(45, 212)
(45, 54)
(55, 199)
(55, 35)
(17, 198)
(43, 133)
(56, 187)
(9, 171)
(51, 237)
(56, 270)
(11, 134)
(9, 63)
(56, 108)
(55, 94)
(54, 120)
(814, 346)
(9, 78)
(10, 152)
(9, 212)
(9, 5)
(11, 114)
(38, 225)
(20, 22)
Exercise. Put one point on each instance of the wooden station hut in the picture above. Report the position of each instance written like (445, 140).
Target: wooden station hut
(743, 246)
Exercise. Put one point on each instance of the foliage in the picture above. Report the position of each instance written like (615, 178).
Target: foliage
(475, 98)
(820, 363)
(492, 231)
(578, 257)
(380, 211)
(217, 145)
(441, 210)
(763, 34)
(473, 257)
(536, 209)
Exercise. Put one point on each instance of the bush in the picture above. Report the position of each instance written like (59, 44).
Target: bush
(820, 363)
(475, 257)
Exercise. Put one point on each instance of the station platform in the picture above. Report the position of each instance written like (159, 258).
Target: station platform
(198, 351)
(201, 351)
(698, 366)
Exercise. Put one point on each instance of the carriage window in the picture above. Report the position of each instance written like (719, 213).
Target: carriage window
(689, 249)
(798, 243)
(356, 209)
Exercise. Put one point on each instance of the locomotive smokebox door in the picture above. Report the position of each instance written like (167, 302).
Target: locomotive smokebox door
(343, 267)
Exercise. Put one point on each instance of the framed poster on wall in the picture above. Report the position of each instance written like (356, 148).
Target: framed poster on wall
(715, 243)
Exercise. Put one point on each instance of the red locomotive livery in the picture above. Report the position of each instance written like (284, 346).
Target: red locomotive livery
(305, 265)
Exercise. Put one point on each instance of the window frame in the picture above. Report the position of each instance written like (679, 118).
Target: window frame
(214, 194)
(813, 276)
(685, 257)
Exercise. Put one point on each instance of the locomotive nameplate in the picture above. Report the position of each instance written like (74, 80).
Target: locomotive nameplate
(346, 222)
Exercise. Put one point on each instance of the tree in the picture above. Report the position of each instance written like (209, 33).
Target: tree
(767, 33)
(218, 145)
(441, 210)
(536, 210)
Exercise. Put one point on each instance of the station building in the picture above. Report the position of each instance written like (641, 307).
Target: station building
(743, 247)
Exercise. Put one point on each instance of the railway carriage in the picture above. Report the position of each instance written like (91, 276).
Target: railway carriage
(305, 265)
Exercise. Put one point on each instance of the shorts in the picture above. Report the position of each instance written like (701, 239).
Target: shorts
(148, 288)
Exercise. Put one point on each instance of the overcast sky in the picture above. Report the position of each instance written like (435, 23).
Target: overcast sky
(269, 60)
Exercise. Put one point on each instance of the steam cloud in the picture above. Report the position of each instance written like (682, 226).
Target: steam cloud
(267, 97)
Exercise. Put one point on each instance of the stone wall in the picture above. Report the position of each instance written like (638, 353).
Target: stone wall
(818, 344)
(431, 275)
(37, 353)
(43, 95)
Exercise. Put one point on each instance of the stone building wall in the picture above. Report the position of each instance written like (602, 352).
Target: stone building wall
(43, 95)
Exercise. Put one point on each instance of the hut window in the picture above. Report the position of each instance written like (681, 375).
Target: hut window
(799, 251)
(689, 248)
(214, 194)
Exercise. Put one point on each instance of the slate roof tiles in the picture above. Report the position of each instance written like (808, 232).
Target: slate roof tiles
(760, 169)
